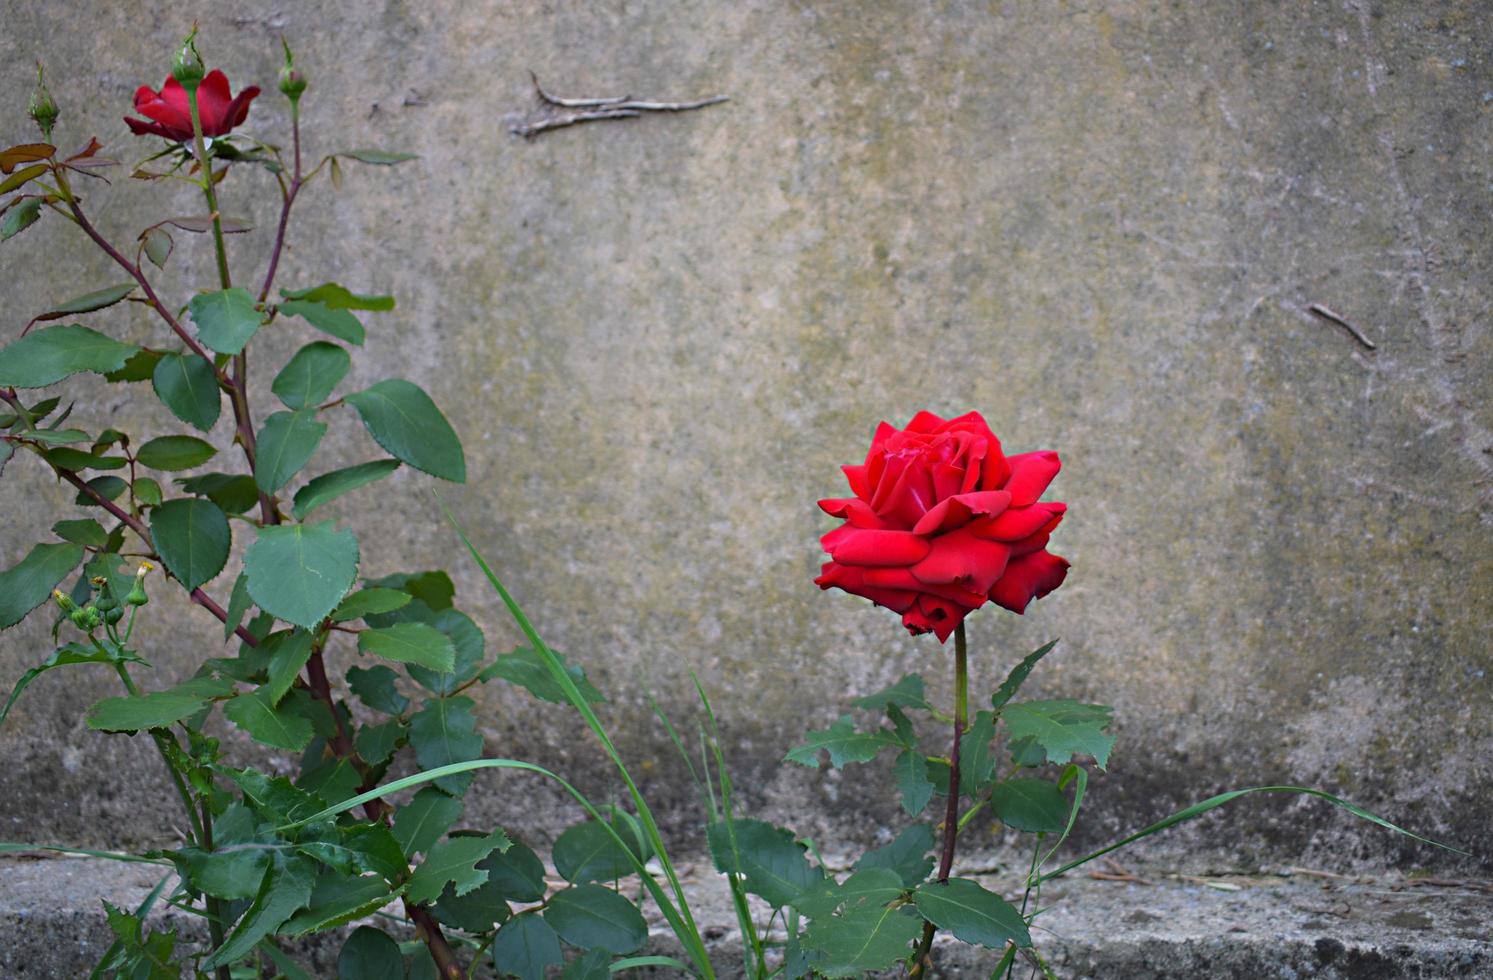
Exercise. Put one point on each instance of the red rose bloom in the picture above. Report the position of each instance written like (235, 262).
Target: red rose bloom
(171, 113)
(941, 521)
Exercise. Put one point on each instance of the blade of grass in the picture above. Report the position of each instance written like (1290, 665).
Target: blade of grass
(7, 847)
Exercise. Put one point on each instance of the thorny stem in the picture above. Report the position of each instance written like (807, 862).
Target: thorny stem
(951, 822)
(289, 200)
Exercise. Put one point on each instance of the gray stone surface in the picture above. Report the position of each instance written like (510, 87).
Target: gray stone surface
(1098, 224)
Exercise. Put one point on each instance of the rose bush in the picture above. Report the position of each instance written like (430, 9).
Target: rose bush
(942, 521)
(170, 114)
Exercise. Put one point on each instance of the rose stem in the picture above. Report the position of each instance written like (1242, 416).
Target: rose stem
(951, 815)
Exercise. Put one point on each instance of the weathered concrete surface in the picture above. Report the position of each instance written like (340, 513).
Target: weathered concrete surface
(1268, 927)
(1099, 224)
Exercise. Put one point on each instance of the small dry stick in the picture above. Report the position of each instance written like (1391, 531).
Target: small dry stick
(1328, 315)
(550, 115)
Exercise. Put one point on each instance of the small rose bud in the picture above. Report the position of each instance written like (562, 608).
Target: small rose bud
(43, 110)
(64, 601)
(292, 82)
(187, 67)
(137, 596)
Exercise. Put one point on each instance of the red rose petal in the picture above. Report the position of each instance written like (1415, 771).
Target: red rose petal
(925, 422)
(1017, 523)
(901, 578)
(238, 109)
(854, 510)
(853, 580)
(856, 477)
(1029, 577)
(1030, 475)
(876, 548)
(957, 511)
(960, 557)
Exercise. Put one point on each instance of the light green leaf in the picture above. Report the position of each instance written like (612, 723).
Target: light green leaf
(192, 537)
(173, 453)
(158, 245)
(137, 367)
(525, 947)
(422, 821)
(366, 602)
(27, 584)
(288, 652)
(843, 743)
(876, 886)
(971, 913)
(976, 757)
(1062, 728)
(402, 419)
(256, 714)
(1018, 676)
(285, 444)
(527, 669)
(330, 486)
(238, 604)
(865, 939)
(339, 323)
(84, 531)
(148, 492)
(89, 302)
(911, 773)
(414, 643)
(309, 377)
(22, 177)
(187, 386)
(66, 656)
(594, 917)
(444, 732)
(455, 860)
(139, 712)
(336, 297)
(225, 319)
(1034, 805)
(299, 572)
(50, 354)
(908, 692)
(337, 900)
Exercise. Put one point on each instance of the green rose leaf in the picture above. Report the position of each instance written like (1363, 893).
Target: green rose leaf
(906, 693)
(19, 218)
(872, 885)
(66, 656)
(330, 486)
(285, 890)
(527, 669)
(235, 494)
(1034, 805)
(89, 302)
(299, 572)
(525, 947)
(1062, 728)
(83, 531)
(867, 938)
(309, 377)
(50, 354)
(413, 643)
(336, 297)
(288, 652)
(225, 319)
(588, 852)
(367, 602)
(137, 367)
(339, 323)
(517, 874)
(1018, 675)
(843, 743)
(285, 444)
(422, 821)
(30, 581)
(139, 712)
(911, 773)
(971, 913)
(907, 855)
(402, 418)
(369, 954)
(256, 714)
(594, 917)
(374, 686)
(76, 459)
(772, 863)
(455, 860)
(977, 759)
(444, 732)
(172, 453)
(192, 538)
(188, 388)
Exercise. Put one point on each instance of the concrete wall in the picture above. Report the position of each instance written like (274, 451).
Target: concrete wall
(1099, 224)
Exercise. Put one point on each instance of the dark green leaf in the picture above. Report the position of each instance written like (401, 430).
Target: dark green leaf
(173, 453)
(911, 772)
(593, 917)
(236, 869)
(19, 218)
(589, 852)
(50, 354)
(517, 873)
(1018, 676)
(1062, 728)
(380, 157)
(366, 602)
(1030, 804)
(336, 297)
(235, 494)
(90, 302)
(187, 386)
(85, 531)
(225, 319)
(66, 656)
(414, 643)
(57, 437)
(971, 913)
(376, 743)
(276, 795)
(874, 886)
(238, 604)
(368, 954)
(444, 732)
(192, 537)
(455, 860)
(865, 939)
(906, 693)
(469, 645)
(525, 946)
(288, 652)
(337, 900)
(137, 713)
(300, 572)
(7, 449)
(139, 366)
(907, 855)
(285, 444)
(148, 491)
(422, 821)
(339, 323)
(257, 715)
(374, 686)
(527, 669)
(976, 758)
(770, 860)
(309, 377)
(27, 584)
(158, 245)
(432, 588)
(286, 889)
(843, 743)
(402, 418)
(478, 911)
(329, 486)
(595, 965)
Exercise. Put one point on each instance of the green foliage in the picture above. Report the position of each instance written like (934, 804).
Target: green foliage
(369, 601)
(593, 917)
(413, 643)
(444, 732)
(911, 774)
(192, 538)
(299, 572)
(309, 377)
(772, 864)
(971, 913)
(285, 444)
(329, 486)
(455, 860)
(422, 821)
(406, 423)
(1062, 728)
(48, 355)
(279, 728)
(907, 856)
(843, 743)
(225, 319)
(374, 686)
(66, 656)
(1034, 805)
(139, 712)
(339, 323)
(908, 692)
(175, 453)
(525, 947)
(527, 669)
(591, 851)
(89, 302)
(30, 581)
(1018, 676)
(865, 938)
(369, 954)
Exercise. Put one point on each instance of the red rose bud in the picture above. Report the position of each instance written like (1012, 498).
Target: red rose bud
(187, 67)
(292, 82)
(42, 109)
(169, 114)
(943, 521)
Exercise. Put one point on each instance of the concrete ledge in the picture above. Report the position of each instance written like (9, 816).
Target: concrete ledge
(1231, 927)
